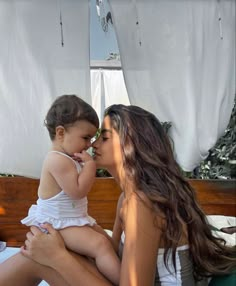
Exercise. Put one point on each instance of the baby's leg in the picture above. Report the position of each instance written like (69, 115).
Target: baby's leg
(86, 241)
(99, 229)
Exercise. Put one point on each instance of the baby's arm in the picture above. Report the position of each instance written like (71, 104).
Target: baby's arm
(65, 173)
(87, 174)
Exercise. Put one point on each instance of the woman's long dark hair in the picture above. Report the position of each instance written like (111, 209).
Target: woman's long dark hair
(150, 164)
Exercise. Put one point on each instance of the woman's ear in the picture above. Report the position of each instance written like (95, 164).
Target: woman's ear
(60, 132)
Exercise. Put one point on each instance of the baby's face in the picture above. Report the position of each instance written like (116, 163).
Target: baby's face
(78, 137)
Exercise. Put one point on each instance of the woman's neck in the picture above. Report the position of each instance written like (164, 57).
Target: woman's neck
(117, 175)
(120, 176)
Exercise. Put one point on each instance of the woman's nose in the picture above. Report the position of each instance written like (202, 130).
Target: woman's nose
(95, 143)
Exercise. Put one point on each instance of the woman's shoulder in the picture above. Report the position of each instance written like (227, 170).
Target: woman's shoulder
(140, 199)
(137, 206)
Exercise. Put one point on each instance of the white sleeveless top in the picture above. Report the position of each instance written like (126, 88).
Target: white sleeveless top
(60, 210)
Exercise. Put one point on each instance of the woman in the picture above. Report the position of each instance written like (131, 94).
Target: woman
(159, 229)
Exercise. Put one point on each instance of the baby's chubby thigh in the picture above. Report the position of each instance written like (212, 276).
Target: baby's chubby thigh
(87, 240)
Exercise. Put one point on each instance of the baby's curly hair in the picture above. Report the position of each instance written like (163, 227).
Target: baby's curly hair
(66, 110)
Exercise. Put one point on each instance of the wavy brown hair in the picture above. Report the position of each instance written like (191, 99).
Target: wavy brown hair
(150, 164)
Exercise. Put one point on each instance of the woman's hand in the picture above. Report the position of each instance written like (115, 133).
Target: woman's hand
(49, 250)
(44, 248)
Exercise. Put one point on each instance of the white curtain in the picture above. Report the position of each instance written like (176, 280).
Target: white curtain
(107, 87)
(178, 58)
(44, 53)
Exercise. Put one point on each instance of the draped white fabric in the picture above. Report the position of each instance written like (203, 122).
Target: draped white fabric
(107, 87)
(40, 59)
(178, 58)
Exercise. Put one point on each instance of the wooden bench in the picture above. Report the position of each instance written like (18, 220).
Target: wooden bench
(217, 197)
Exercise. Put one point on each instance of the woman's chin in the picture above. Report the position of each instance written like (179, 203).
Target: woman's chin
(98, 164)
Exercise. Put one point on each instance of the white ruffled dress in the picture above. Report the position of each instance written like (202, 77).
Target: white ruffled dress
(60, 211)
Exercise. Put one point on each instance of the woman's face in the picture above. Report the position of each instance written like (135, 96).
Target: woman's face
(107, 148)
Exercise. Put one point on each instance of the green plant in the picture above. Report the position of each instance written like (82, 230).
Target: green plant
(6, 175)
(221, 161)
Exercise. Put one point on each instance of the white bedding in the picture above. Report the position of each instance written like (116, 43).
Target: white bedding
(220, 221)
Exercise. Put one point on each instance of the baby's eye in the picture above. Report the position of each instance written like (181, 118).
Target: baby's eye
(87, 138)
(104, 138)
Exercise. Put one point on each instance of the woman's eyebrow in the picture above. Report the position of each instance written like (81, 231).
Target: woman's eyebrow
(106, 130)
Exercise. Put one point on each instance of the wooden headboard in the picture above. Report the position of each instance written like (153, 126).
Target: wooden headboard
(18, 193)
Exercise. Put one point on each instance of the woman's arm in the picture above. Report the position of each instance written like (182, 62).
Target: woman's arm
(117, 228)
(49, 250)
(141, 244)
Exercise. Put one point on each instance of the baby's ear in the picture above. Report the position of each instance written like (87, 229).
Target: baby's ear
(60, 132)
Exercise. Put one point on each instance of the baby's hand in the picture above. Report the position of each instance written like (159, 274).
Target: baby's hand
(83, 157)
